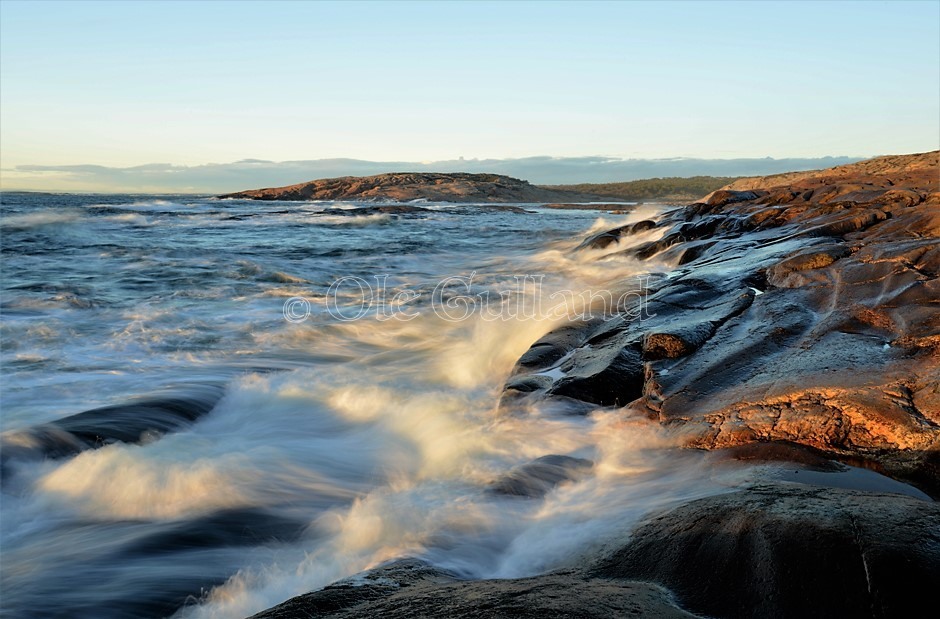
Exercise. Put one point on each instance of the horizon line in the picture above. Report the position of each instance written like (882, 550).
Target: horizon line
(543, 170)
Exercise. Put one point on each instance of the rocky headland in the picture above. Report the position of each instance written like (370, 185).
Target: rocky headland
(800, 324)
(405, 187)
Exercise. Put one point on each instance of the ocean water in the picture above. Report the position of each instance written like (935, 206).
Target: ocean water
(332, 444)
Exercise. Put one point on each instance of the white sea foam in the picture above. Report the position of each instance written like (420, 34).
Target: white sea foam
(153, 205)
(40, 219)
(133, 219)
(349, 220)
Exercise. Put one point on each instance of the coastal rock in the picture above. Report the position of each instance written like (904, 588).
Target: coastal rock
(360, 590)
(722, 197)
(609, 375)
(411, 588)
(553, 346)
(404, 187)
(893, 172)
(785, 271)
(806, 313)
(780, 550)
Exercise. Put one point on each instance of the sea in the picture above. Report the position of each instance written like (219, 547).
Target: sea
(348, 363)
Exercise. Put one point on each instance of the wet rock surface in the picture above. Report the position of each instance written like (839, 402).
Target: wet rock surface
(807, 313)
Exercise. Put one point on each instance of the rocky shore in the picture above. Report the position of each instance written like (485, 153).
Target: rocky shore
(800, 324)
(807, 312)
(405, 187)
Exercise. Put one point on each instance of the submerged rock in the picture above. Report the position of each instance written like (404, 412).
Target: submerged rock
(136, 421)
(535, 479)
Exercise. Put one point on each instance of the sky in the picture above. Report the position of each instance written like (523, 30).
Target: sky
(123, 84)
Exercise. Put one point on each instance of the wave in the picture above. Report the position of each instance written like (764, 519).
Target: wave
(133, 219)
(39, 219)
(350, 220)
(285, 278)
(149, 205)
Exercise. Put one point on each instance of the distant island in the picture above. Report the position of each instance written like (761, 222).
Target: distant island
(497, 188)
(405, 187)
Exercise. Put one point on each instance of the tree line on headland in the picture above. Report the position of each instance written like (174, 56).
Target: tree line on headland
(671, 188)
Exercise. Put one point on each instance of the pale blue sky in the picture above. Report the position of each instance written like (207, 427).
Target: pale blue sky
(128, 83)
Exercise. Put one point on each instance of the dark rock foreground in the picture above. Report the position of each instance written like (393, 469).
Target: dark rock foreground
(404, 187)
(775, 550)
(788, 551)
(411, 588)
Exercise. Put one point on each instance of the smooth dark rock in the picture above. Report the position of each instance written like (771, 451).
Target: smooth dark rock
(134, 422)
(781, 550)
(528, 383)
(608, 375)
(410, 588)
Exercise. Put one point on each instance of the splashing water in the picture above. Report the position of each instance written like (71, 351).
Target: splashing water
(336, 445)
